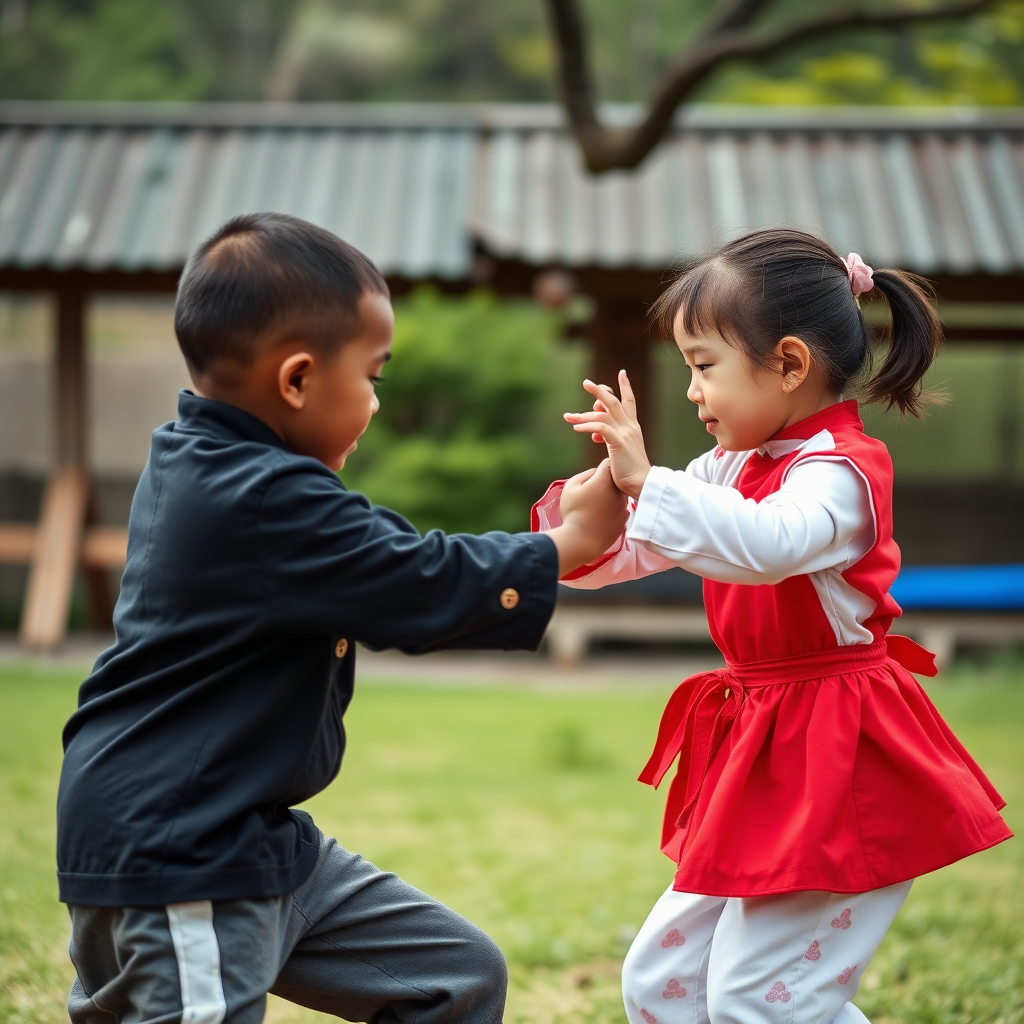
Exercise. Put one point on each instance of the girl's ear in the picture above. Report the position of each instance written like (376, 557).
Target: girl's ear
(793, 359)
(293, 379)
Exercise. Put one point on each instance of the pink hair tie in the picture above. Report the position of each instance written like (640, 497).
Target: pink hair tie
(859, 273)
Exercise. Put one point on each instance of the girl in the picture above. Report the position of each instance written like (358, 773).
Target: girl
(815, 779)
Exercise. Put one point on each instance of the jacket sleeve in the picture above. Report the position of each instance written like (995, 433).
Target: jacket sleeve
(335, 563)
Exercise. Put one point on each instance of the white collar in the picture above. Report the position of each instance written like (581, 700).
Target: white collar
(779, 449)
(822, 441)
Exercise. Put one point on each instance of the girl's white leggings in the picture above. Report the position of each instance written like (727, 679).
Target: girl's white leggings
(796, 958)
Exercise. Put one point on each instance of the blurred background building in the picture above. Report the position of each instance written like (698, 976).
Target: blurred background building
(515, 270)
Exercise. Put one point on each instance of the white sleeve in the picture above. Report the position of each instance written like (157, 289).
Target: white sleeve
(628, 561)
(625, 560)
(820, 518)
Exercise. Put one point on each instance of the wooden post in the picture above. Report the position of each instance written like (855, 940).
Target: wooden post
(52, 570)
(69, 393)
(67, 499)
(620, 338)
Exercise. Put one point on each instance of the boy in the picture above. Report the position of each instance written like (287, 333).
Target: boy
(193, 887)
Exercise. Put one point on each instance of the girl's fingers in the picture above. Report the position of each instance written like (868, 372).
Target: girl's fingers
(628, 398)
(599, 391)
(605, 394)
(586, 417)
(597, 430)
(582, 478)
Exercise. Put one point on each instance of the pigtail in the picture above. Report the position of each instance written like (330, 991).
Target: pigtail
(915, 337)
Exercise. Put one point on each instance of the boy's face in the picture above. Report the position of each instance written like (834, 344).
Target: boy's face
(340, 399)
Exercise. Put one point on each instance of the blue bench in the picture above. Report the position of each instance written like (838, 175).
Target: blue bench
(961, 587)
(944, 605)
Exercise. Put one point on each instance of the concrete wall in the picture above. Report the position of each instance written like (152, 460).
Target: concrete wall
(130, 393)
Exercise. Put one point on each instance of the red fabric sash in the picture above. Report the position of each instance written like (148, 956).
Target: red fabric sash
(702, 709)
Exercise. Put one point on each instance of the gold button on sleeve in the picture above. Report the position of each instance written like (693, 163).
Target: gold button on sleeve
(509, 598)
(341, 649)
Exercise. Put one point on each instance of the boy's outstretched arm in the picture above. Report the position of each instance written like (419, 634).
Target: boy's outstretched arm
(336, 565)
(594, 515)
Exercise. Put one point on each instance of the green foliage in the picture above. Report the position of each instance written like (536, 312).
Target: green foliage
(469, 432)
(468, 50)
(403, 49)
(519, 808)
(118, 49)
(978, 62)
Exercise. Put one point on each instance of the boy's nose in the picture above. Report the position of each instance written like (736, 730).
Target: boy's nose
(374, 405)
(693, 392)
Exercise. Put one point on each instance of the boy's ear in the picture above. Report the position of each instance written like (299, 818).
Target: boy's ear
(293, 379)
(793, 360)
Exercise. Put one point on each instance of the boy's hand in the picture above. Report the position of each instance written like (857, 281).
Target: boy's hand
(615, 424)
(593, 512)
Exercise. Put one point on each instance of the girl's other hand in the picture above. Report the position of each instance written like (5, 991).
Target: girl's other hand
(593, 513)
(615, 424)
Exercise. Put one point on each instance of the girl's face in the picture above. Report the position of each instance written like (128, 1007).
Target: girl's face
(742, 404)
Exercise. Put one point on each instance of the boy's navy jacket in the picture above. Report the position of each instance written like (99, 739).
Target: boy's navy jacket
(220, 704)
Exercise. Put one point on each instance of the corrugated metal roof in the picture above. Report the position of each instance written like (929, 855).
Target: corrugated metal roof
(137, 186)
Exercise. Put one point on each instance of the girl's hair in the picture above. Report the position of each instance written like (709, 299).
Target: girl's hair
(764, 286)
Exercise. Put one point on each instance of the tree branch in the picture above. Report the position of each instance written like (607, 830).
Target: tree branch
(607, 148)
(738, 14)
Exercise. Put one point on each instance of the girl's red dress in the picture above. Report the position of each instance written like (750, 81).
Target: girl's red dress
(803, 764)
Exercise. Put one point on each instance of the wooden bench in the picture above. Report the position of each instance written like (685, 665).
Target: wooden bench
(53, 548)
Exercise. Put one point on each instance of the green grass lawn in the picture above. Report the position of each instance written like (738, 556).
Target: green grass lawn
(519, 808)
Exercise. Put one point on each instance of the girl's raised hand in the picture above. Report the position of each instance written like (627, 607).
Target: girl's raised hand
(614, 423)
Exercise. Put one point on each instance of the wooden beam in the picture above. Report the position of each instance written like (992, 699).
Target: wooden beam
(98, 547)
(60, 543)
(105, 547)
(17, 543)
(69, 394)
(115, 282)
(986, 333)
(52, 573)
(65, 501)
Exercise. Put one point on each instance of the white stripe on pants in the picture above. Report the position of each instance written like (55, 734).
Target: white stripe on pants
(796, 958)
(198, 954)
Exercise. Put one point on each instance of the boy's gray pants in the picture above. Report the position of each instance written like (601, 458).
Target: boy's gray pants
(352, 941)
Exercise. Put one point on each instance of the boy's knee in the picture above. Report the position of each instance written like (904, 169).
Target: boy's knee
(490, 971)
(479, 980)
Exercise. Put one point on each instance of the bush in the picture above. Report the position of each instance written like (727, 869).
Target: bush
(470, 431)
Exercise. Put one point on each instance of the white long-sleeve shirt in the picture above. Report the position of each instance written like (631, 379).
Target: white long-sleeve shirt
(819, 522)
(821, 518)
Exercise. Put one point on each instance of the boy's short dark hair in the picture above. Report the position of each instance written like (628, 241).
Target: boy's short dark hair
(259, 270)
